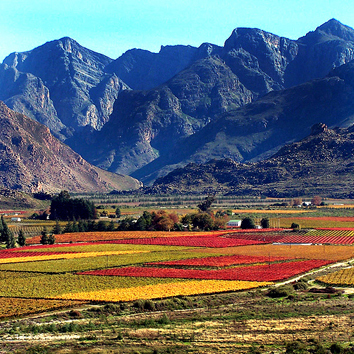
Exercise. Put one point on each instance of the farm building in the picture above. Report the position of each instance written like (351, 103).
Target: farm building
(16, 219)
(234, 223)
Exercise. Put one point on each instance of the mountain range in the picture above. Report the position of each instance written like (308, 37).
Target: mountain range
(320, 164)
(145, 113)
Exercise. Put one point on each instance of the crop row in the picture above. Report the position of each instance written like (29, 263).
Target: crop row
(221, 261)
(54, 256)
(13, 307)
(193, 287)
(271, 272)
(331, 232)
(12, 254)
(103, 260)
(338, 240)
(117, 235)
(101, 246)
(191, 241)
(268, 237)
(291, 251)
(52, 285)
(341, 277)
(328, 218)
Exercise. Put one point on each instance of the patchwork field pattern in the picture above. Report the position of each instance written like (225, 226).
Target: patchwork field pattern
(343, 277)
(318, 222)
(128, 266)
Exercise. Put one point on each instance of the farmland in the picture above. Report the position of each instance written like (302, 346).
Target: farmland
(179, 292)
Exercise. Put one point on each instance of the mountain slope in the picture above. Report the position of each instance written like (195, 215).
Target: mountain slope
(322, 163)
(70, 81)
(260, 62)
(31, 159)
(145, 124)
(259, 129)
(191, 115)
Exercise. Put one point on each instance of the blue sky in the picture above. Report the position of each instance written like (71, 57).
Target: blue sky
(113, 26)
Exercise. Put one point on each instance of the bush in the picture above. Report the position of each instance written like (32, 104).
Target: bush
(280, 291)
(265, 223)
(149, 305)
(300, 285)
(248, 223)
(295, 226)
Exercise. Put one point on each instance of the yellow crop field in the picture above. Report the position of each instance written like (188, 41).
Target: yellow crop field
(65, 256)
(344, 277)
(164, 290)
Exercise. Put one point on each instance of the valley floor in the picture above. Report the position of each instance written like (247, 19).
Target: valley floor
(241, 322)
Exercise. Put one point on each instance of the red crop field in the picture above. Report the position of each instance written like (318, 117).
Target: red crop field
(14, 254)
(117, 235)
(221, 261)
(267, 272)
(336, 240)
(266, 237)
(191, 241)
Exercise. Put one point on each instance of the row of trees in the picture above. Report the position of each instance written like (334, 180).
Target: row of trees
(164, 221)
(63, 207)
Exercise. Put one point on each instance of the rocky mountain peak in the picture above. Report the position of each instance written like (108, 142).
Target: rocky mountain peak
(319, 128)
(335, 28)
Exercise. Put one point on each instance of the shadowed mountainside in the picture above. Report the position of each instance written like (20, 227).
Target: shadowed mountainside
(32, 159)
(322, 163)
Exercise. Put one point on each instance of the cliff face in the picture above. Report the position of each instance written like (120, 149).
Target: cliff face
(32, 159)
(62, 85)
(147, 124)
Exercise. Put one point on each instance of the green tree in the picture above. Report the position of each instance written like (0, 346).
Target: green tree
(248, 223)
(7, 235)
(51, 239)
(68, 227)
(21, 239)
(295, 226)
(82, 225)
(101, 226)
(44, 236)
(56, 230)
(202, 221)
(265, 223)
(75, 226)
(1, 227)
(118, 213)
(206, 204)
(110, 226)
(63, 207)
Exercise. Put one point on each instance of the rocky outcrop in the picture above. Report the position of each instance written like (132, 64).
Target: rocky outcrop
(32, 160)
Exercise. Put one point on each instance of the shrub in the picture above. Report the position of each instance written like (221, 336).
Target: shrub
(248, 223)
(265, 223)
(300, 285)
(295, 226)
(280, 291)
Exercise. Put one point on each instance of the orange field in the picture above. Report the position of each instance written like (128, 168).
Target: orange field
(335, 253)
(117, 235)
